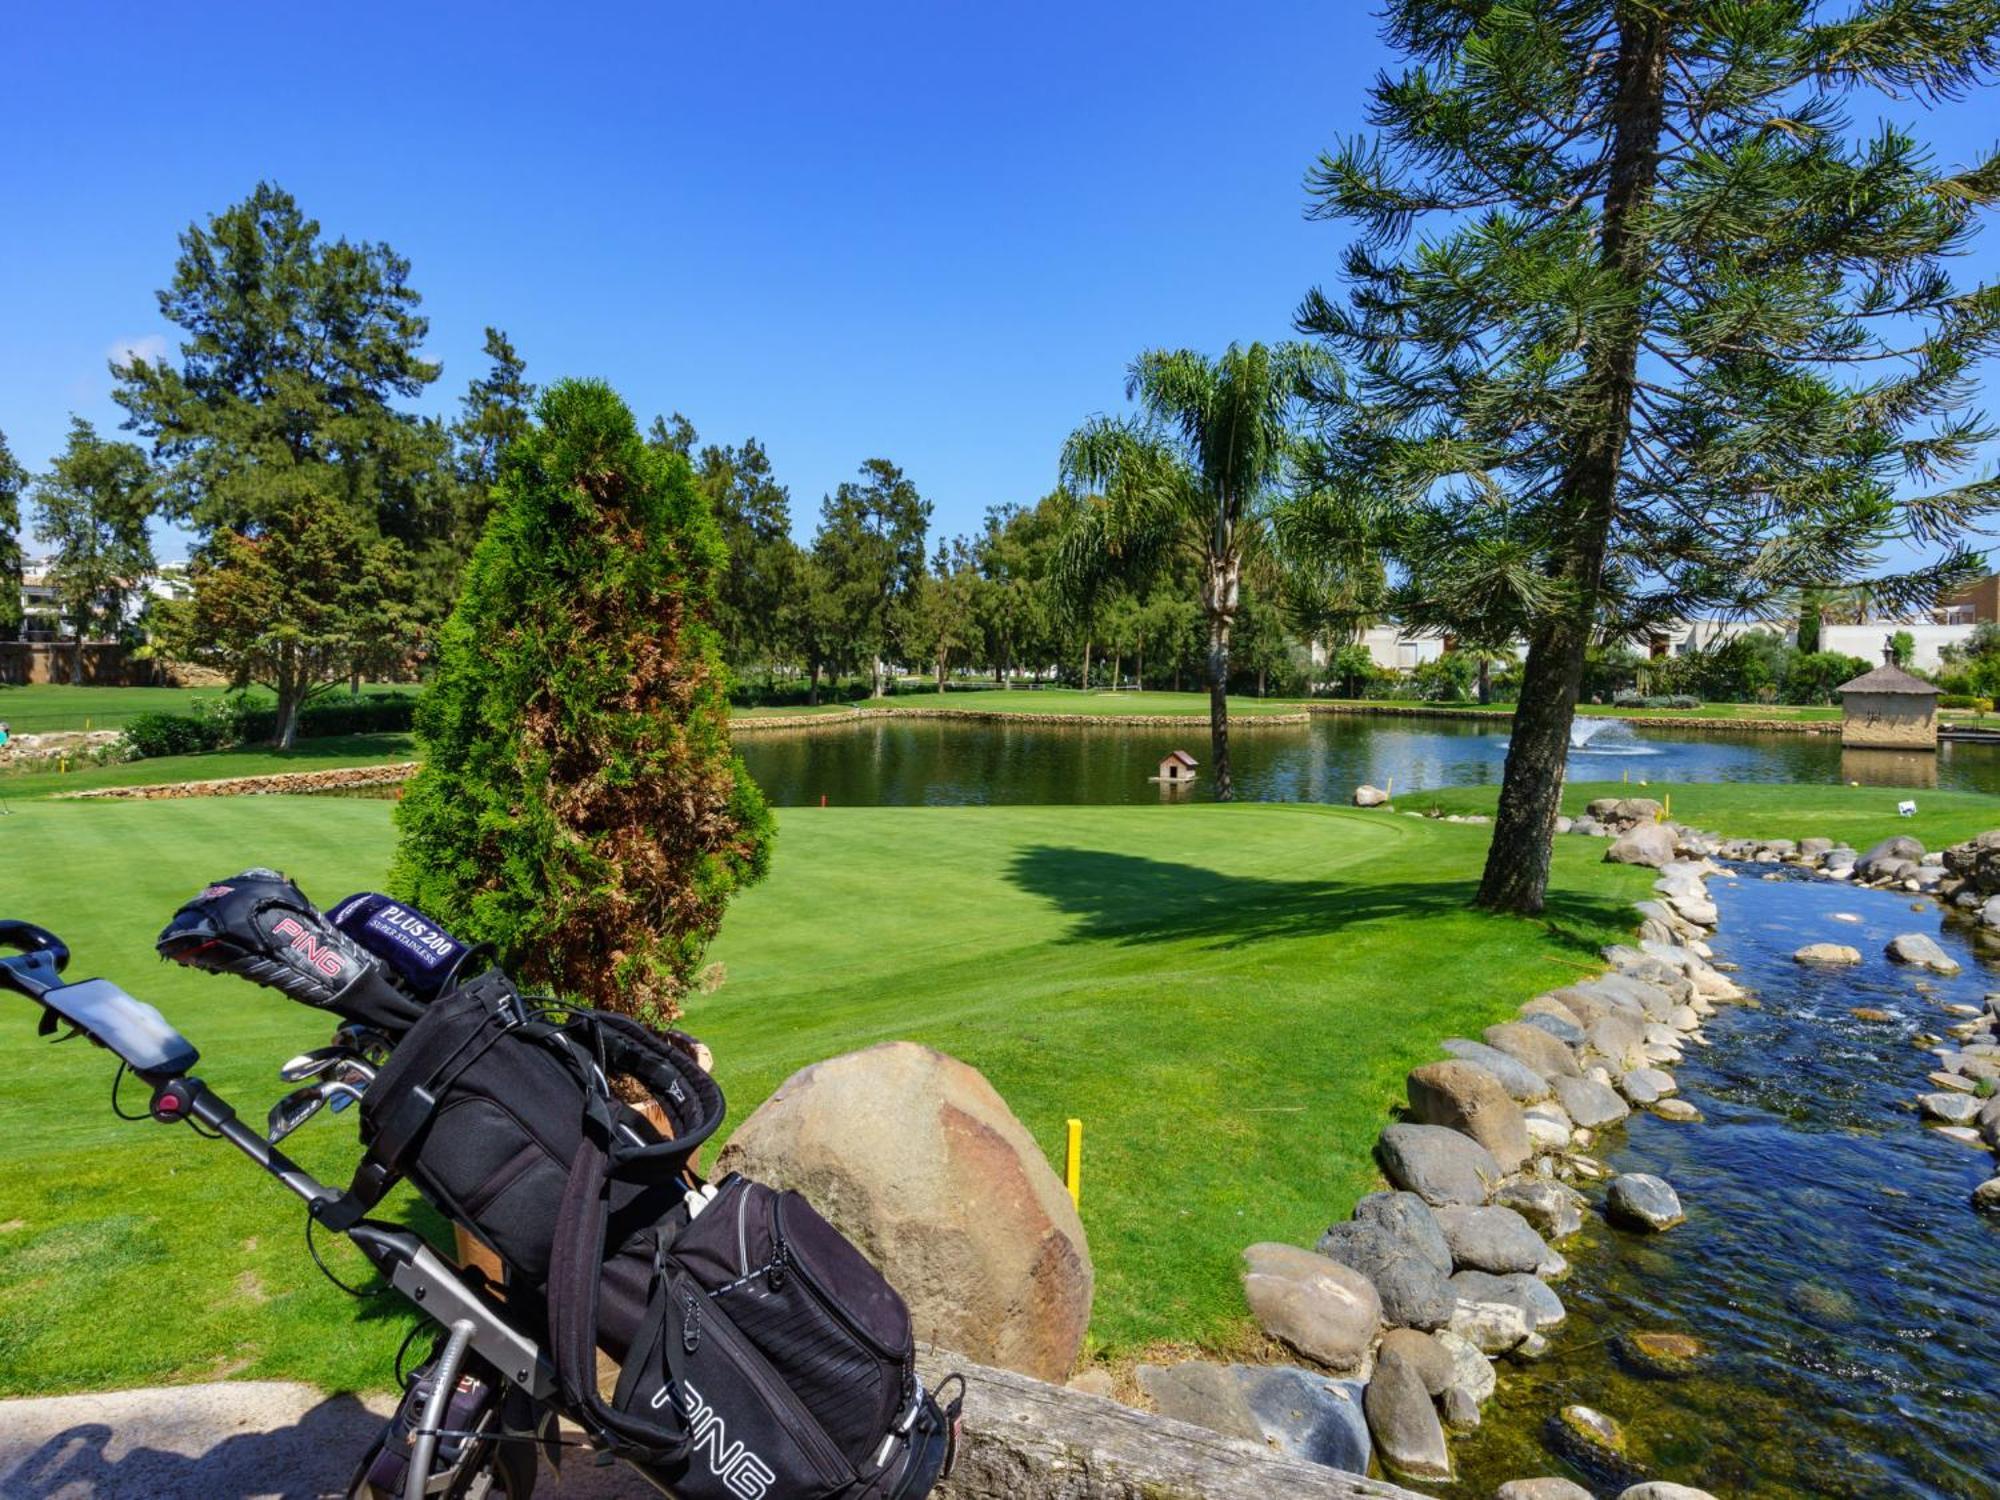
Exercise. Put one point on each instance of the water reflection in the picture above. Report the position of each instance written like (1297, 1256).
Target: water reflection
(945, 762)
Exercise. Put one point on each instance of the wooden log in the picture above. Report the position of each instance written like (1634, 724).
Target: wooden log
(1027, 1440)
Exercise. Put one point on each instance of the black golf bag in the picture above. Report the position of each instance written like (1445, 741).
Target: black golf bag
(761, 1354)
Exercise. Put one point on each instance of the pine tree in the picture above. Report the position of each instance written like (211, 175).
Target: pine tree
(280, 409)
(496, 408)
(1640, 326)
(579, 806)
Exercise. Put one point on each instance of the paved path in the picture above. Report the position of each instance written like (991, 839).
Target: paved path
(270, 1440)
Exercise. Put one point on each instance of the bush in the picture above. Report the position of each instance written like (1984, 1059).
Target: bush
(579, 806)
(1628, 698)
(1966, 700)
(149, 736)
(1684, 700)
(326, 717)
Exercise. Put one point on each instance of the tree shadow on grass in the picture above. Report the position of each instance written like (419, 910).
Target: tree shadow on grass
(1128, 898)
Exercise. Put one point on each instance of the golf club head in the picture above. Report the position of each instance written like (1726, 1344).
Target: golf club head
(346, 1089)
(312, 1064)
(292, 1111)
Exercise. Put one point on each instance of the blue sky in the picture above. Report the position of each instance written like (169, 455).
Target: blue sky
(930, 232)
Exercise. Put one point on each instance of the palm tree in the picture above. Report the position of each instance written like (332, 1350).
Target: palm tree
(1197, 471)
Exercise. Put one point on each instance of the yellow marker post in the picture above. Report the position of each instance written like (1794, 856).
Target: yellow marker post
(1073, 1169)
(1390, 789)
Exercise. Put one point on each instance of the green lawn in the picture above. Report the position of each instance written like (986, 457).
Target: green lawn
(1076, 701)
(1859, 815)
(307, 755)
(1227, 996)
(43, 707)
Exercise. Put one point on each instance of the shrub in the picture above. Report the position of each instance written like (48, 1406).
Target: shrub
(1966, 700)
(1628, 698)
(579, 806)
(149, 736)
(1684, 700)
(326, 717)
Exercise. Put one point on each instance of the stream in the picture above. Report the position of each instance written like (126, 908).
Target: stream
(1831, 1263)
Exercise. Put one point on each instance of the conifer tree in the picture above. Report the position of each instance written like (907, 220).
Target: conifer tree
(13, 479)
(92, 508)
(1642, 324)
(579, 805)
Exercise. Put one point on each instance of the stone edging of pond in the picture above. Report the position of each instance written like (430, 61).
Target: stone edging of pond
(255, 786)
(780, 723)
(1405, 1308)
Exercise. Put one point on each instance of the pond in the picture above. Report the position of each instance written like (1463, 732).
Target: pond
(1831, 1261)
(942, 762)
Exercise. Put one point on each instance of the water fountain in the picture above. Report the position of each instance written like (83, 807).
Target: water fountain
(1601, 736)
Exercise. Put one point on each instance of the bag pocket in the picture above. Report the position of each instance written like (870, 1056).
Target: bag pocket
(484, 1166)
(750, 1436)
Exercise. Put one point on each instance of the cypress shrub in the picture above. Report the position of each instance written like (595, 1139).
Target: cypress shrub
(579, 806)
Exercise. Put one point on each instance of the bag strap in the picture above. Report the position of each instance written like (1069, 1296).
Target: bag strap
(574, 1274)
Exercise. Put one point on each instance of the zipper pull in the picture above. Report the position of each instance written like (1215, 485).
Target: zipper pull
(690, 1323)
(774, 1278)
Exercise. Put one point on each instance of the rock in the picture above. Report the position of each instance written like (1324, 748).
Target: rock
(1647, 1085)
(1897, 850)
(1827, 953)
(1548, 1125)
(1915, 948)
(1440, 1165)
(1207, 1395)
(1620, 1040)
(1409, 1287)
(1659, 1489)
(1541, 1489)
(1590, 1103)
(1551, 1005)
(1430, 1359)
(1684, 1018)
(1989, 1122)
(1535, 1047)
(1409, 1439)
(1871, 1013)
(1676, 1109)
(1588, 1437)
(1815, 847)
(1490, 1327)
(1491, 1239)
(1406, 1218)
(1639, 1200)
(1369, 796)
(1956, 1083)
(1522, 1083)
(1986, 1197)
(1698, 910)
(1965, 1135)
(1094, 1381)
(1554, 1209)
(1541, 1307)
(1307, 1416)
(1471, 1371)
(1567, 1032)
(1465, 1097)
(1667, 1356)
(1821, 1302)
(1647, 844)
(1326, 1311)
(1948, 1109)
(915, 1158)
(1461, 1412)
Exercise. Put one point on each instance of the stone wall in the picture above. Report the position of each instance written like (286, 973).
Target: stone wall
(260, 786)
(26, 662)
(1889, 721)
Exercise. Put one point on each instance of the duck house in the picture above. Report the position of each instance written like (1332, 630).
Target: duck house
(1176, 770)
(1888, 709)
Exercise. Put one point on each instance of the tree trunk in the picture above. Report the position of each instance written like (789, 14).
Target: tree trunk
(1260, 682)
(1139, 667)
(1517, 864)
(76, 660)
(876, 669)
(1485, 680)
(1218, 706)
(1117, 659)
(812, 683)
(1086, 666)
(940, 671)
(354, 683)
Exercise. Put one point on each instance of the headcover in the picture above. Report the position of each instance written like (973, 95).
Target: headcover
(426, 958)
(261, 926)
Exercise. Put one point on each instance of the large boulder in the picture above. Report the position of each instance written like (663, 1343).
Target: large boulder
(1915, 948)
(1395, 1242)
(914, 1157)
(1591, 1104)
(1306, 1416)
(1651, 844)
(1535, 1047)
(1620, 1040)
(1522, 1083)
(1409, 1439)
(1326, 1311)
(1207, 1395)
(1896, 850)
(1369, 796)
(1467, 1098)
(1541, 1307)
(1439, 1165)
(1639, 1200)
(1977, 862)
(1492, 1239)
(1555, 1209)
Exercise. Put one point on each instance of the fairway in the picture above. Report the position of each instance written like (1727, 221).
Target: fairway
(44, 707)
(1226, 996)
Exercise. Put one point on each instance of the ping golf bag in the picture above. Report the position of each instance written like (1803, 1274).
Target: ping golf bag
(761, 1354)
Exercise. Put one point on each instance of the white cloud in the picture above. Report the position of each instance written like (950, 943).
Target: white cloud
(151, 347)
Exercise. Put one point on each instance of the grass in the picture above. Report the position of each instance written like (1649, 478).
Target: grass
(1228, 997)
(1858, 815)
(41, 708)
(306, 755)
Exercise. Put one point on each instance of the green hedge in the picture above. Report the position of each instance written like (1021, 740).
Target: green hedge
(237, 720)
